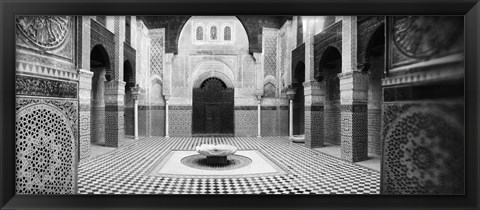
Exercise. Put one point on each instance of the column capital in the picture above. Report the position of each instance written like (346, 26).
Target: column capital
(314, 87)
(353, 87)
(85, 79)
(114, 92)
(356, 75)
(115, 87)
(85, 74)
(167, 97)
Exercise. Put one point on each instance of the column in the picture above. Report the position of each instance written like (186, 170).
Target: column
(290, 119)
(85, 88)
(353, 97)
(314, 120)
(135, 94)
(166, 116)
(354, 120)
(259, 120)
(314, 95)
(135, 115)
(114, 112)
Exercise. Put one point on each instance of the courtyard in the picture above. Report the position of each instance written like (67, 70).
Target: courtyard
(129, 170)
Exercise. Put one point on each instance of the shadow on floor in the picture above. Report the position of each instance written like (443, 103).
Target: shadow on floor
(373, 161)
(99, 148)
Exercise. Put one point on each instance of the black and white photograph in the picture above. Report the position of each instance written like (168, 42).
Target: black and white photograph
(252, 104)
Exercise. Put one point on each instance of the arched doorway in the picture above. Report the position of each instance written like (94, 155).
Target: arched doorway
(100, 66)
(375, 65)
(128, 78)
(299, 100)
(212, 109)
(330, 67)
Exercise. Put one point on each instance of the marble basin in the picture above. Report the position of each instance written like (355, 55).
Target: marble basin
(298, 138)
(216, 154)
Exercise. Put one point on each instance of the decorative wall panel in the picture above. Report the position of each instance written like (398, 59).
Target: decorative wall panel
(157, 121)
(33, 86)
(270, 52)
(156, 55)
(84, 120)
(97, 124)
(283, 122)
(129, 121)
(441, 38)
(50, 34)
(374, 131)
(332, 125)
(180, 121)
(354, 139)
(269, 121)
(423, 149)
(142, 121)
(246, 121)
(46, 136)
(314, 126)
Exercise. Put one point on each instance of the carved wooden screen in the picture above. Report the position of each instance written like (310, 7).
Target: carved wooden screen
(212, 109)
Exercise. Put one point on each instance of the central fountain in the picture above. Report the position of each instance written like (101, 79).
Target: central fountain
(216, 154)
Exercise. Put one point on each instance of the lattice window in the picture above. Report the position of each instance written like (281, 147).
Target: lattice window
(199, 33)
(227, 33)
(213, 33)
(270, 55)
(156, 53)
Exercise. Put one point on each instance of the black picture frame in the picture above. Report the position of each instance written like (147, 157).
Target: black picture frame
(9, 8)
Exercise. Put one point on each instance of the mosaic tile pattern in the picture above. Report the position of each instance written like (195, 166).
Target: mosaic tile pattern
(114, 127)
(423, 149)
(84, 119)
(270, 59)
(142, 121)
(97, 124)
(354, 139)
(374, 128)
(332, 123)
(125, 170)
(283, 122)
(157, 122)
(129, 121)
(245, 122)
(313, 128)
(269, 122)
(45, 148)
(180, 122)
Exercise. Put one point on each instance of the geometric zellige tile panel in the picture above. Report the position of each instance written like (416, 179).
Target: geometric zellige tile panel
(44, 151)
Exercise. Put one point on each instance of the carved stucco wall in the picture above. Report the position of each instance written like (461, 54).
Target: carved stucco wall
(228, 60)
(46, 106)
(423, 132)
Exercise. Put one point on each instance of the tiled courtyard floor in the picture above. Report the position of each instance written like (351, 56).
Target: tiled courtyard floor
(127, 170)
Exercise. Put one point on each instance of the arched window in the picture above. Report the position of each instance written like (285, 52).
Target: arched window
(213, 33)
(199, 33)
(227, 33)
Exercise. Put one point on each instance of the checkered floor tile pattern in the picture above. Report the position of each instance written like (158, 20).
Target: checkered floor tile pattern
(126, 170)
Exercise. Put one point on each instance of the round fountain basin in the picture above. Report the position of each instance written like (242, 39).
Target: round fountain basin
(298, 138)
(219, 150)
(216, 154)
